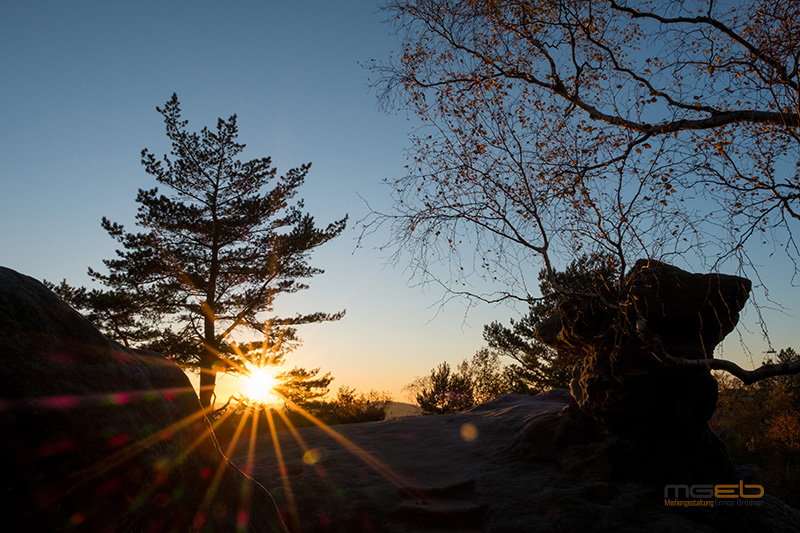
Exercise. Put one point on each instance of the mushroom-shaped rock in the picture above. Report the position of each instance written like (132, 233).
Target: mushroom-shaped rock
(661, 309)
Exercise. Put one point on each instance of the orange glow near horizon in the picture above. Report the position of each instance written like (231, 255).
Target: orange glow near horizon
(258, 385)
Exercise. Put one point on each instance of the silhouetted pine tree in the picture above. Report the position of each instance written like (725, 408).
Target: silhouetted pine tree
(540, 366)
(213, 254)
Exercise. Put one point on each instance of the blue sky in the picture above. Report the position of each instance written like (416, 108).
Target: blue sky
(80, 82)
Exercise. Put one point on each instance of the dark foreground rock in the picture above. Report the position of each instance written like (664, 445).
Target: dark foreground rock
(98, 438)
(520, 463)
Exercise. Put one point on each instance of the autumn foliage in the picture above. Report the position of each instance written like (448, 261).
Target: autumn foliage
(760, 424)
(562, 127)
(555, 129)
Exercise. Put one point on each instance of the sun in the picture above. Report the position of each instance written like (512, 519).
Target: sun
(259, 385)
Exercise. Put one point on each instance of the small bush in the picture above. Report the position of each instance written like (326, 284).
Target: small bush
(477, 380)
(760, 424)
(348, 407)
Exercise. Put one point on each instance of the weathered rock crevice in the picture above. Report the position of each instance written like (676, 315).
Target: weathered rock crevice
(620, 376)
(646, 418)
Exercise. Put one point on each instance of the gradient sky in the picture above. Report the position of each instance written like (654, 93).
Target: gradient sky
(79, 83)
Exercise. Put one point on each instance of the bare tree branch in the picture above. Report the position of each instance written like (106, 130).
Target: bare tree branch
(747, 376)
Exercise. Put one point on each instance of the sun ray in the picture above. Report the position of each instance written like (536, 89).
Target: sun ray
(69, 401)
(376, 464)
(135, 448)
(206, 434)
(317, 465)
(243, 516)
(126, 453)
(287, 486)
(304, 447)
(211, 492)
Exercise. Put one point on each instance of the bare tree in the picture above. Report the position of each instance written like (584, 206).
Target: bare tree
(563, 127)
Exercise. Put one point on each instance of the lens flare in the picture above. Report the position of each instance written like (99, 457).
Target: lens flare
(259, 386)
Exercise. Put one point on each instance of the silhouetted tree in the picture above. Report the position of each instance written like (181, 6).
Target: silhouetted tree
(303, 387)
(484, 373)
(215, 251)
(443, 391)
(489, 378)
(477, 380)
(117, 314)
(556, 128)
(791, 383)
(540, 366)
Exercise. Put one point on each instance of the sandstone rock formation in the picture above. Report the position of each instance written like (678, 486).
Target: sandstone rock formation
(620, 376)
(530, 463)
(96, 437)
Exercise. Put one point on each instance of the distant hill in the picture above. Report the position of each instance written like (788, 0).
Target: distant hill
(399, 409)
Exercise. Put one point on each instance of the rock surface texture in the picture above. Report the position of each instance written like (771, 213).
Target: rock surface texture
(620, 376)
(651, 416)
(526, 463)
(96, 437)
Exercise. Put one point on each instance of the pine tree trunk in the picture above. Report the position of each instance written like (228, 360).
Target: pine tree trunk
(208, 378)
(208, 367)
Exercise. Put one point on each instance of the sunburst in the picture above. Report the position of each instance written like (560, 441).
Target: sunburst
(258, 385)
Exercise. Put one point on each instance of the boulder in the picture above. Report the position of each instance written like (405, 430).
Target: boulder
(97, 437)
(619, 377)
(531, 463)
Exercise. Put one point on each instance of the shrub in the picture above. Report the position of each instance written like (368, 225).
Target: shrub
(760, 424)
(475, 381)
(350, 407)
